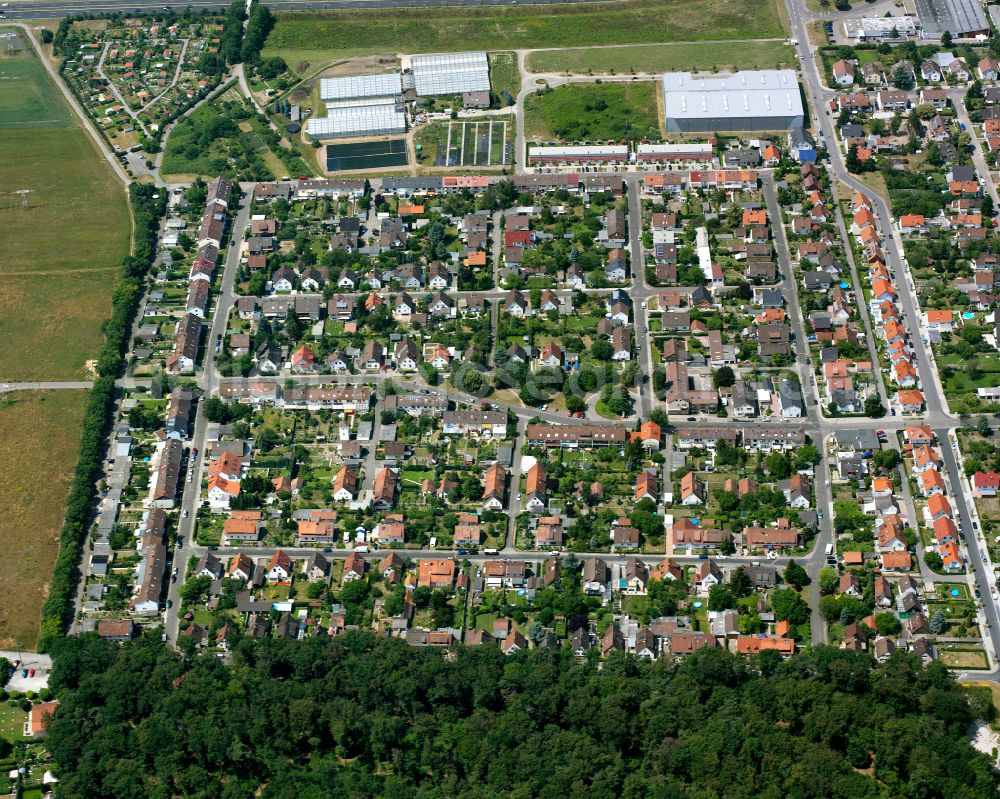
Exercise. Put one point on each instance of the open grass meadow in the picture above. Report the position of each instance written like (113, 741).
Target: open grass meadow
(655, 58)
(315, 37)
(46, 425)
(593, 112)
(65, 222)
(504, 75)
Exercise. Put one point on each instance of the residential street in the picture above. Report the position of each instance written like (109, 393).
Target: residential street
(815, 423)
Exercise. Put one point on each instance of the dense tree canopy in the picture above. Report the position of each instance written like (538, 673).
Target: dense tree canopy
(359, 716)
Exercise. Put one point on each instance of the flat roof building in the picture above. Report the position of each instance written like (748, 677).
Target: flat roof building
(880, 29)
(749, 100)
(359, 87)
(450, 73)
(581, 154)
(687, 151)
(963, 19)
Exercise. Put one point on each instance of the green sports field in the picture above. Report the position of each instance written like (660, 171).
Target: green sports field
(65, 224)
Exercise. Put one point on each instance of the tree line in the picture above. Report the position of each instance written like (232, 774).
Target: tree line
(244, 46)
(148, 207)
(362, 716)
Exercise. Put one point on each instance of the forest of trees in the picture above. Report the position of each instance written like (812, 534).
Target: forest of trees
(361, 716)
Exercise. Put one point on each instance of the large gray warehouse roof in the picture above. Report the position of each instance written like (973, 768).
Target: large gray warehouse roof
(359, 86)
(749, 100)
(958, 17)
(450, 73)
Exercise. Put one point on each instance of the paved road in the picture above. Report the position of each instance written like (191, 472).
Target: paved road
(789, 288)
(957, 98)
(640, 294)
(937, 413)
(41, 9)
(983, 578)
(862, 311)
(208, 384)
(6, 388)
(937, 409)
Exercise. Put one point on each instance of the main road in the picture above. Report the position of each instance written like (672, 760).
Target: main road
(938, 415)
(47, 9)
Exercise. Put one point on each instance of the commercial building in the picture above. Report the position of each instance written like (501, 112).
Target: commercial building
(963, 19)
(752, 100)
(685, 154)
(450, 73)
(598, 154)
(359, 87)
(880, 29)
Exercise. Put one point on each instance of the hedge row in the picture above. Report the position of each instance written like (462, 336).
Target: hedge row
(57, 613)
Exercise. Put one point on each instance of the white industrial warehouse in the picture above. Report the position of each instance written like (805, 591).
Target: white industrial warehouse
(752, 100)
(450, 73)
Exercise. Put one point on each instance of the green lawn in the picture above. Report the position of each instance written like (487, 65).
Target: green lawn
(317, 37)
(55, 290)
(664, 57)
(593, 112)
(12, 720)
(944, 591)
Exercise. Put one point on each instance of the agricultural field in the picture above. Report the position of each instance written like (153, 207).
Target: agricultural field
(32, 501)
(485, 142)
(664, 58)
(52, 179)
(314, 37)
(593, 112)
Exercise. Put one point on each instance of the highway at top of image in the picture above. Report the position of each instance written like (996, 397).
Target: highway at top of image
(41, 9)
